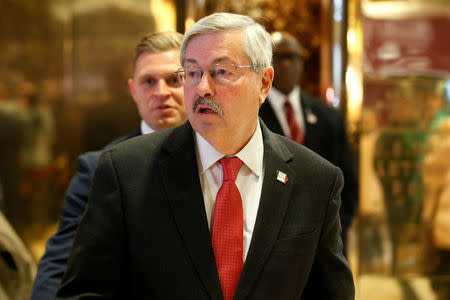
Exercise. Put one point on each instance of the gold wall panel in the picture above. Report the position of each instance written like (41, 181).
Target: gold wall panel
(63, 91)
(400, 64)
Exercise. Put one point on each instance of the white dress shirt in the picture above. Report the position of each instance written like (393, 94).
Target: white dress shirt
(249, 180)
(276, 100)
(145, 129)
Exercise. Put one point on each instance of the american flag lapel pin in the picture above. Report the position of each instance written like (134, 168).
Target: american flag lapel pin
(282, 177)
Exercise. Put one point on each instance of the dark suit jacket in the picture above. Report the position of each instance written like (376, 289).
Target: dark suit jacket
(325, 135)
(145, 234)
(53, 264)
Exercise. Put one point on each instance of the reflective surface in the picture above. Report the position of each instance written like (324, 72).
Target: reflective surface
(405, 179)
(399, 63)
(63, 91)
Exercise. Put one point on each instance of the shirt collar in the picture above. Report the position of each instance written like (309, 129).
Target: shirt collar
(251, 155)
(145, 129)
(277, 98)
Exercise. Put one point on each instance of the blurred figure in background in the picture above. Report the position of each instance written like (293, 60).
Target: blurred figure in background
(158, 95)
(17, 267)
(397, 166)
(12, 133)
(291, 112)
(436, 180)
(38, 186)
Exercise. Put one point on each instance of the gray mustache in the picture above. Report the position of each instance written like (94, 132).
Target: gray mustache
(209, 102)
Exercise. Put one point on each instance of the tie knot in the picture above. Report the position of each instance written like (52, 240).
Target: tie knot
(288, 105)
(230, 167)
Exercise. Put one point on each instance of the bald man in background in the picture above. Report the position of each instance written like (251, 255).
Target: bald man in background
(316, 125)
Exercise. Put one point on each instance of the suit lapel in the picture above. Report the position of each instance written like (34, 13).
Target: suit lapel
(310, 128)
(275, 196)
(181, 181)
(267, 113)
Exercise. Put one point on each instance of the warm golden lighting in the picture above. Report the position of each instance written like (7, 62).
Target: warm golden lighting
(351, 38)
(406, 8)
(353, 81)
(353, 76)
(188, 23)
(165, 14)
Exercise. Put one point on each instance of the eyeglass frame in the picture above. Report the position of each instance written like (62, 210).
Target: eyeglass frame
(181, 70)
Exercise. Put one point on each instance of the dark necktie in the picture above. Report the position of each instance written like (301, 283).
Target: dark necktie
(296, 132)
(227, 228)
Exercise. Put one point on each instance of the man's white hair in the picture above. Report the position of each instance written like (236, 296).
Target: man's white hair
(257, 43)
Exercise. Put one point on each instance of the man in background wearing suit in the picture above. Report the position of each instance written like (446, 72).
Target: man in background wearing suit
(219, 207)
(158, 95)
(308, 120)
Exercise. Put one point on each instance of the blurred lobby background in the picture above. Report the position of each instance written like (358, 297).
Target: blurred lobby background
(385, 64)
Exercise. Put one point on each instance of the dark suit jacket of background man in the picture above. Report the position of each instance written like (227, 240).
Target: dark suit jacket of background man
(325, 135)
(53, 264)
(145, 233)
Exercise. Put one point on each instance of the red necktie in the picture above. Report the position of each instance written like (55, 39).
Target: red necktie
(227, 228)
(296, 132)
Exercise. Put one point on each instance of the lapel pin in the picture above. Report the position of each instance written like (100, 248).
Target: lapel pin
(282, 177)
(311, 117)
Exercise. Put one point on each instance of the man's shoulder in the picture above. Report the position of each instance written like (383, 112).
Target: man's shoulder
(90, 158)
(318, 104)
(140, 154)
(133, 134)
(308, 167)
(145, 140)
(300, 154)
(151, 143)
(325, 113)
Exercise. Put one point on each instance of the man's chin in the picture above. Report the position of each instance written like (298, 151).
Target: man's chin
(170, 122)
(204, 126)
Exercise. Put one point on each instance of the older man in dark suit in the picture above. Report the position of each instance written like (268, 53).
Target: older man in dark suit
(220, 207)
(298, 115)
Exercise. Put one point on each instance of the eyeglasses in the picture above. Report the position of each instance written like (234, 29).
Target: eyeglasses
(221, 73)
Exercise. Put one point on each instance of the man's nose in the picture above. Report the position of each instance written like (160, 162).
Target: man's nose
(161, 88)
(205, 88)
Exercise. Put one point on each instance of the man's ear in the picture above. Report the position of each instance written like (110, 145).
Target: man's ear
(131, 88)
(266, 83)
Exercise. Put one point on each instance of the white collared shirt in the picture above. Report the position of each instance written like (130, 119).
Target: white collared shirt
(276, 100)
(249, 180)
(145, 129)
